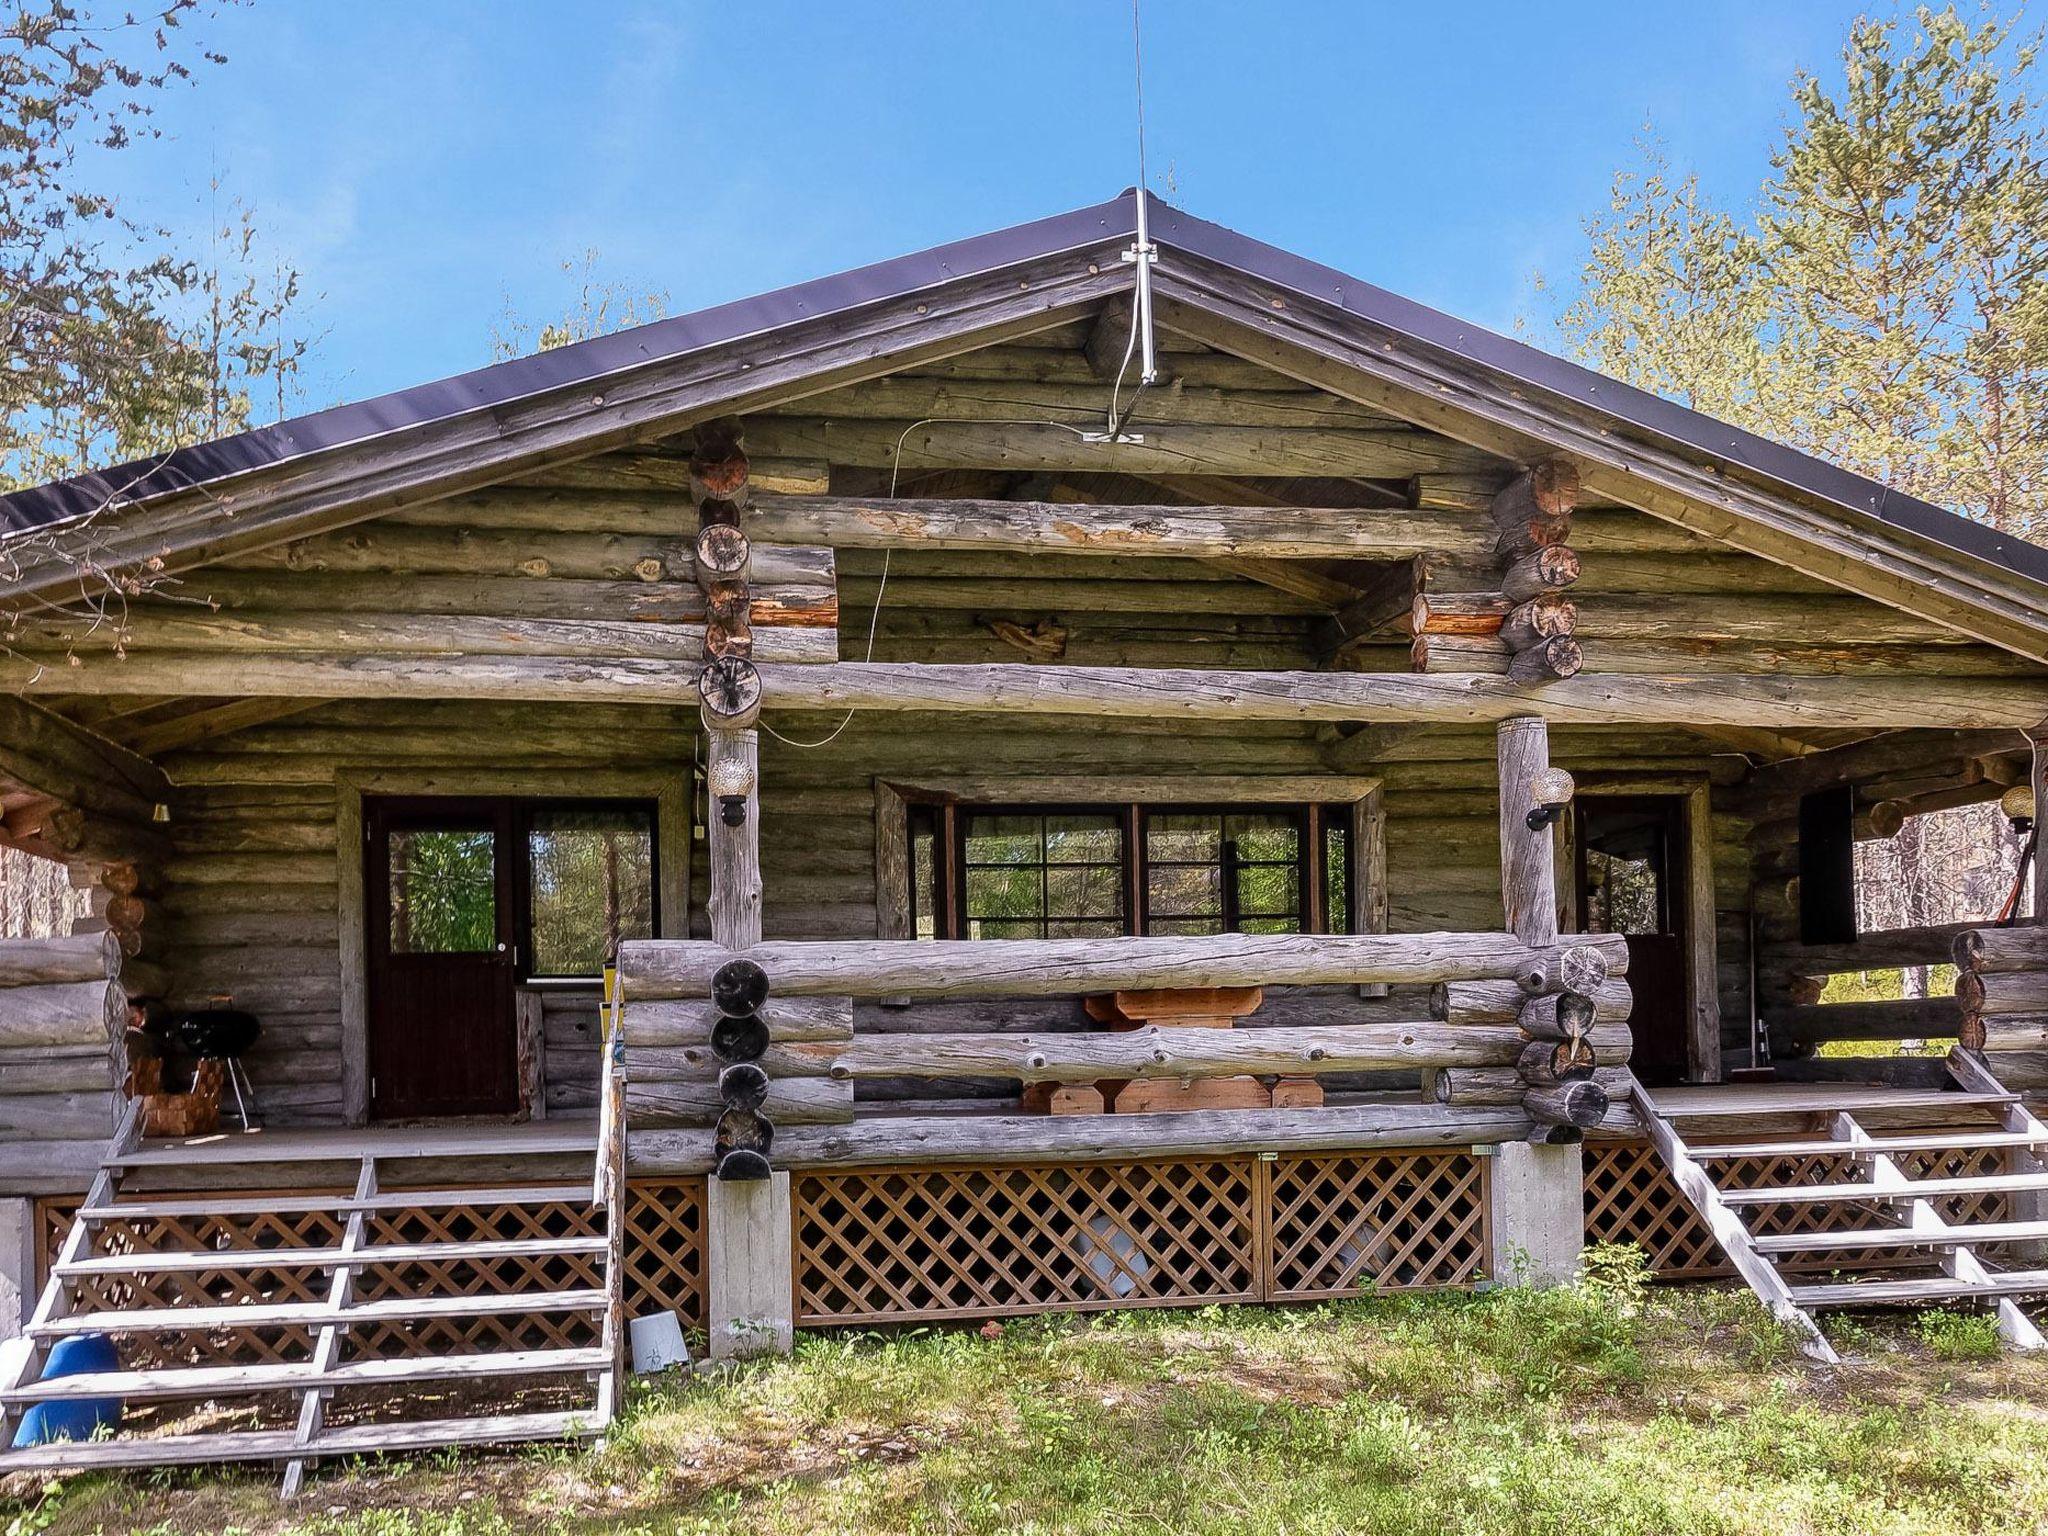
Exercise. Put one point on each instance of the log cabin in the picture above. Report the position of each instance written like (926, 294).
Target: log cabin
(1101, 765)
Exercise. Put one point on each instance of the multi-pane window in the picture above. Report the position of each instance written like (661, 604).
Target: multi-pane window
(1224, 872)
(1092, 871)
(589, 885)
(1042, 875)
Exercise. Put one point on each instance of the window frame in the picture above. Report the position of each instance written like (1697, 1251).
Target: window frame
(904, 812)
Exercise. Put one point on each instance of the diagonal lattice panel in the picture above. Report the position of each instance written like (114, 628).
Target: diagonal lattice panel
(664, 1250)
(1345, 1224)
(876, 1244)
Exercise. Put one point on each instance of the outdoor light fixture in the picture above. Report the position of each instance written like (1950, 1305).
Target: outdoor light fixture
(2018, 805)
(1551, 790)
(731, 782)
(159, 812)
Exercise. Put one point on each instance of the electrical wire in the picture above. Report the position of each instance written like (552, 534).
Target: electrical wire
(882, 587)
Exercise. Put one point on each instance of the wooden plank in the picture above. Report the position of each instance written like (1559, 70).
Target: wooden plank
(1939, 1141)
(310, 1314)
(305, 1376)
(325, 1258)
(1912, 1189)
(1873, 1293)
(1985, 1232)
(273, 1444)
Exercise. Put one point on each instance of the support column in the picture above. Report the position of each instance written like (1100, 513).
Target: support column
(1535, 1192)
(748, 1252)
(18, 1238)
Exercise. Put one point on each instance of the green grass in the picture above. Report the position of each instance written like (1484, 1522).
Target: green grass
(1603, 1408)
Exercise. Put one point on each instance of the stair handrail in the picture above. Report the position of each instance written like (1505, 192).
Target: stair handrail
(608, 1191)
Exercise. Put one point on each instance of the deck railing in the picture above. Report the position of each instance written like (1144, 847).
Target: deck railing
(814, 1056)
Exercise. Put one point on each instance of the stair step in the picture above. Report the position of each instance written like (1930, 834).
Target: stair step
(342, 1205)
(316, 1314)
(2017, 1282)
(200, 1260)
(241, 1380)
(1905, 1237)
(1754, 1106)
(1959, 1141)
(280, 1444)
(1915, 1189)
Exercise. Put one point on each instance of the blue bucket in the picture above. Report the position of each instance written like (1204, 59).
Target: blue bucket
(75, 1418)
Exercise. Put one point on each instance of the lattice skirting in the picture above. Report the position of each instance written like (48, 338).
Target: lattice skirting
(664, 1263)
(1630, 1198)
(899, 1244)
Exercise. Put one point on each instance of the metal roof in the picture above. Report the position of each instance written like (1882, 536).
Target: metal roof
(1515, 363)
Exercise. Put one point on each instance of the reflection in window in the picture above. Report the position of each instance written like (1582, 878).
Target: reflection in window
(1623, 894)
(1216, 872)
(1034, 875)
(1337, 869)
(444, 892)
(590, 885)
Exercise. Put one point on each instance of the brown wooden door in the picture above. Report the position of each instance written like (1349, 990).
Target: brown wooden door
(1632, 880)
(438, 916)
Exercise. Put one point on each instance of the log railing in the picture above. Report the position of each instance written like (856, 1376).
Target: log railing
(2002, 989)
(813, 1056)
(1791, 977)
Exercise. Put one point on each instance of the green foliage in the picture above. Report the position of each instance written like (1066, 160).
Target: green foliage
(1959, 1335)
(119, 344)
(444, 896)
(1886, 304)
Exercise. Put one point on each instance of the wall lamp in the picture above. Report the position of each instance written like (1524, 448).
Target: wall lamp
(731, 782)
(1551, 792)
(2017, 804)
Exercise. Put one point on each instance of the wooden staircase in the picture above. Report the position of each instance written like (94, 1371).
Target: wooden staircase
(369, 1319)
(1897, 1216)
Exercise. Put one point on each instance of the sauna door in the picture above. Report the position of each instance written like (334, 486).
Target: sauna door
(1630, 853)
(438, 921)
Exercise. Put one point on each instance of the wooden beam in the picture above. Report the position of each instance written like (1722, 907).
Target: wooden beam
(655, 969)
(217, 720)
(1377, 453)
(980, 1139)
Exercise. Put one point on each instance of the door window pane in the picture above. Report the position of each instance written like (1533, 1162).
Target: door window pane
(590, 885)
(1043, 875)
(444, 892)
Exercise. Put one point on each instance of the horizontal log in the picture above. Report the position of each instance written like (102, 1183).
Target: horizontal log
(954, 1138)
(782, 634)
(2020, 948)
(791, 1101)
(1478, 1085)
(1550, 569)
(1268, 403)
(1912, 1018)
(57, 1116)
(1581, 963)
(2000, 992)
(2005, 1033)
(43, 1069)
(655, 1025)
(657, 968)
(1370, 454)
(1871, 951)
(1581, 1104)
(1673, 699)
(1504, 1002)
(698, 1063)
(1173, 1052)
(37, 962)
(1273, 533)
(64, 1013)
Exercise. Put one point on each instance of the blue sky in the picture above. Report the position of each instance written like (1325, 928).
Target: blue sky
(429, 165)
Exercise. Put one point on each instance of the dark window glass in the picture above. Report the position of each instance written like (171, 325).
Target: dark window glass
(590, 885)
(1224, 871)
(444, 892)
(1035, 875)
(1337, 868)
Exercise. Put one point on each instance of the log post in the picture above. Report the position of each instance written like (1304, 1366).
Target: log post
(1536, 1190)
(747, 1212)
